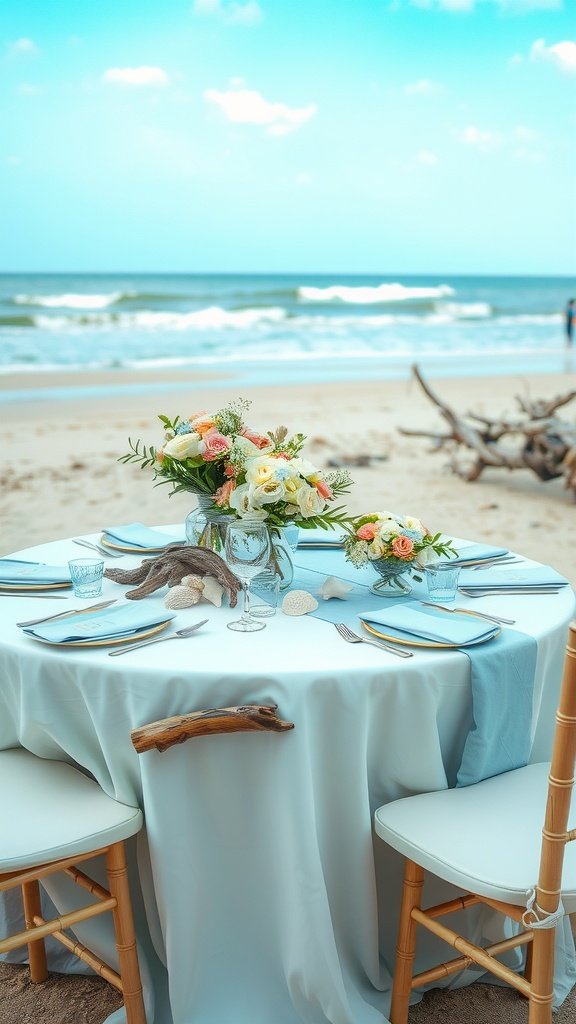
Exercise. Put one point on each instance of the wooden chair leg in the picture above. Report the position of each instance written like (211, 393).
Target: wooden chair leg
(542, 981)
(406, 945)
(528, 964)
(36, 949)
(117, 873)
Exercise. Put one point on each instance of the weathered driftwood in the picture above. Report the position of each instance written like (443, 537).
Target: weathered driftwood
(540, 442)
(175, 562)
(241, 718)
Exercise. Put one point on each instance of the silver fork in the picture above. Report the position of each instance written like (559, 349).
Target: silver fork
(180, 634)
(353, 638)
(99, 548)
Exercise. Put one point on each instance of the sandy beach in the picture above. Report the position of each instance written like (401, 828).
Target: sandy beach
(60, 475)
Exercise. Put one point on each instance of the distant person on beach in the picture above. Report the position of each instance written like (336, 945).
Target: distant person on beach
(569, 321)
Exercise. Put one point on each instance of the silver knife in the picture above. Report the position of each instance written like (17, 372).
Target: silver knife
(98, 547)
(64, 615)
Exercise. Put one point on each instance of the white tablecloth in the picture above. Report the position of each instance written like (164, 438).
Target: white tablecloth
(259, 895)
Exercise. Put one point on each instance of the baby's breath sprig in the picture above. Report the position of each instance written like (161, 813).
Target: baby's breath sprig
(230, 419)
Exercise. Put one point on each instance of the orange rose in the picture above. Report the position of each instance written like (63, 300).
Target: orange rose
(402, 547)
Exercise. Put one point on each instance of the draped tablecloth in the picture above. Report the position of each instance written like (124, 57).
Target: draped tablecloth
(260, 896)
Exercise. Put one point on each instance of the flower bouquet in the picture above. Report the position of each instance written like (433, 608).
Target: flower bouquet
(236, 471)
(393, 544)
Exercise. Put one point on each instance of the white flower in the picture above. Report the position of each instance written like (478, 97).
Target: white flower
(426, 556)
(240, 502)
(245, 447)
(304, 467)
(376, 548)
(265, 494)
(183, 446)
(309, 501)
(411, 523)
(260, 470)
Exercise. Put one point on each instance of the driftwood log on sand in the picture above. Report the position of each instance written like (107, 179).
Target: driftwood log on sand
(540, 441)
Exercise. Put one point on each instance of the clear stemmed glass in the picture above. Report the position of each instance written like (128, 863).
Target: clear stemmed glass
(247, 549)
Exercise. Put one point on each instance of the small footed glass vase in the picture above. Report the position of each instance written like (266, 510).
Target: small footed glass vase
(391, 582)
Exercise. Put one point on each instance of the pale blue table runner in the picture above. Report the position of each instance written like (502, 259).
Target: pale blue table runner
(502, 670)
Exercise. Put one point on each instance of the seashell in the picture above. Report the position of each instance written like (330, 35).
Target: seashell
(333, 587)
(196, 582)
(212, 591)
(299, 602)
(182, 597)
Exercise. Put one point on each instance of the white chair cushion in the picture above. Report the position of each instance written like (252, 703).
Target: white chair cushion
(50, 810)
(484, 838)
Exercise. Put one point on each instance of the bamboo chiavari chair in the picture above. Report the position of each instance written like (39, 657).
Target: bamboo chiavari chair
(53, 818)
(487, 839)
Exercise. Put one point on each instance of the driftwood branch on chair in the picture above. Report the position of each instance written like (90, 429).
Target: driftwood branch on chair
(241, 718)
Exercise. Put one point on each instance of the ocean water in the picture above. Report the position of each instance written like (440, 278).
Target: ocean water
(266, 328)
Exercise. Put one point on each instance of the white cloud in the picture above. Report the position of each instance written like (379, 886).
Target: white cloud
(23, 46)
(427, 158)
(142, 76)
(479, 138)
(424, 87)
(232, 11)
(246, 106)
(562, 54)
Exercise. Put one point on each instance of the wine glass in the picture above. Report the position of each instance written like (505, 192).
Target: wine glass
(247, 548)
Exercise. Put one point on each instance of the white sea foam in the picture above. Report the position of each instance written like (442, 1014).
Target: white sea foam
(464, 310)
(72, 300)
(380, 293)
(211, 318)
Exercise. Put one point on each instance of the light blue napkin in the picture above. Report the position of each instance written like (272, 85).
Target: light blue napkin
(124, 620)
(477, 553)
(514, 577)
(139, 536)
(502, 694)
(22, 574)
(410, 619)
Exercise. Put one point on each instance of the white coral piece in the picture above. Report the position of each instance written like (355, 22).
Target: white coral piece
(334, 587)
(212, 591)
(299, 602)
(182, 597)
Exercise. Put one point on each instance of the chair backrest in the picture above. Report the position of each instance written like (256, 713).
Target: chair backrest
(239, 718)
(555, 833)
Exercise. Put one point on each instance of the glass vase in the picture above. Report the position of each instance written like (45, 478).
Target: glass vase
(282, 544)
(206, 526)
(391, 582)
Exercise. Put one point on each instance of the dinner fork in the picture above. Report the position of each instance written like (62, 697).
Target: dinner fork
(353, 638)
(180, 634)
(97, 547)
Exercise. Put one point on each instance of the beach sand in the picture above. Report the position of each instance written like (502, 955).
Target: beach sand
(60, 475)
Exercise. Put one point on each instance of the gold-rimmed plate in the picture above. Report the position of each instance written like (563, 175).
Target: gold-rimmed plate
(142, 634)
(409, 642)
(19, 588)
(131, 549)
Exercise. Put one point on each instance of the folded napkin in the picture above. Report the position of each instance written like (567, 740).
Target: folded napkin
(137, 535)
(128, 619)
(411, 620)
(512, 578)
(317, 537)
(478, 553)
(22, 574)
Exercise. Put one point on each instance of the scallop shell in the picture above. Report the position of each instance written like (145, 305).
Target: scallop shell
(299, 602)
(334, 587)
(212, 591)
(182, 597)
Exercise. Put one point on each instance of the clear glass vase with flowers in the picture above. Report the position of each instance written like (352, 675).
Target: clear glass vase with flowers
(393, 545)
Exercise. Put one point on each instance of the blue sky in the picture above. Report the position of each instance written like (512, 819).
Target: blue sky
(288, 135)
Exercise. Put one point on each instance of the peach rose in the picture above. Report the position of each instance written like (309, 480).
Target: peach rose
(367, 532)
(323, 490)
(258, 439)
(215, 445)
(402, 547)
(222, 495)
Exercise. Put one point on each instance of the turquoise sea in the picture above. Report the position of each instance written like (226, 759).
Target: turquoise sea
(262, 328)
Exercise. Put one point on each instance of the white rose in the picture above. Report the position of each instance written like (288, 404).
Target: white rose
(309, 501)
(411, 523)
(247, 448)
(260, 470)
(426, 556)
(241, 503)
(183, 446)
(304, 467)
(376, 548)
(265, 494)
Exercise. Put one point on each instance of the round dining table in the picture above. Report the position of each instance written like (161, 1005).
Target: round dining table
(260, 894)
